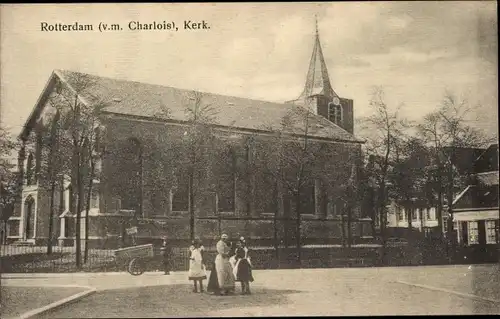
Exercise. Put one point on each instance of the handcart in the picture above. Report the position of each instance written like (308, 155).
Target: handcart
(135, 257)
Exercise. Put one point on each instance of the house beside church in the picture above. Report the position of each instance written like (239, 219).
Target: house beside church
(476, 219)
(138, 127)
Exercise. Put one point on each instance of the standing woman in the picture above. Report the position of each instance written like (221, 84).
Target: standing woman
(223, 266)
(243, 268)
(196, 265)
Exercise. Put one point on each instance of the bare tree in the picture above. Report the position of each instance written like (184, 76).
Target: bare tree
(298, 162)
(10, 183)
(447, 130)
(191, 155)
(80, 110)
(383, 131)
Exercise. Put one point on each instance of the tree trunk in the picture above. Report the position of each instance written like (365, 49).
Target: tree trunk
(298, 228)
(383, 222)
(349, 222)
(275, 222)
(410, 220)
(78, 212)
(342, 233)
(87, 209)
(51, 217)
(191, 204)
(439, 211)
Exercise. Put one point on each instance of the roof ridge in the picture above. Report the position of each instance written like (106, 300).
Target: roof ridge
(176, 88)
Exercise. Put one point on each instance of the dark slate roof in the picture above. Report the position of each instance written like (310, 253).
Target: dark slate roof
(147, 100)
(488, 160)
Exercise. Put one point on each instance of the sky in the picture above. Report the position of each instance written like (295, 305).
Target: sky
(416, 51)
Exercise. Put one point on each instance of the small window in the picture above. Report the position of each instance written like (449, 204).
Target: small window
(428, 213)
(334, 113)
(491, 236)
(399, 213)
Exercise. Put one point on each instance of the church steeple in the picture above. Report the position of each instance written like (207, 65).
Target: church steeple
(317, 80)
(318, 95)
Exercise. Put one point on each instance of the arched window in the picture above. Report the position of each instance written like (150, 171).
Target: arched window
(131, 170)
(180, 194)
(308, 198)
(335, 113)
(30, 170)
(29, 217)
(71, 201)
(226, 186)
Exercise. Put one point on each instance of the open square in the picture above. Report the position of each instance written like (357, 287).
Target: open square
(430, 290)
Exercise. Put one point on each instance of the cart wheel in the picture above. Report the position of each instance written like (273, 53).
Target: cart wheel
(135, 267)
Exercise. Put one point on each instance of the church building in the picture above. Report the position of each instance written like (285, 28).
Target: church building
(144, 174)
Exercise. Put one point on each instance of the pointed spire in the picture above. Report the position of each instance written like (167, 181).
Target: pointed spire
(317, 80)
(316, 20)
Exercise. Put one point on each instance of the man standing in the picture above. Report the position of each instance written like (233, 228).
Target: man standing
(167, 255)
(223, 267)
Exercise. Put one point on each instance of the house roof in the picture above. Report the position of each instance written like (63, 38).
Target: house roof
(488, 160)
(488, 178)
(148, 100)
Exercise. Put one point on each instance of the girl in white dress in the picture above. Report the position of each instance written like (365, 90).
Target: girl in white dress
(197, 272)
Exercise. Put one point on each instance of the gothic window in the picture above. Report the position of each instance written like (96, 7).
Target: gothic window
(335, 113)
(38, 152)
(30, 170)
(266, 193)
(308, 199)
(180, 195)
(226, 187)
(71, 201)
(29, 217)
(131, 171)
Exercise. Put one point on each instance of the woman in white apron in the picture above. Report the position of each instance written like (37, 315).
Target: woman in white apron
(197, 272)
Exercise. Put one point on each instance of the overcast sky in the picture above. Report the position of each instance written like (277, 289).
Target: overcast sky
(415, 50)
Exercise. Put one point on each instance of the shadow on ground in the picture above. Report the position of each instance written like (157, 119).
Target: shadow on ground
(165, 301)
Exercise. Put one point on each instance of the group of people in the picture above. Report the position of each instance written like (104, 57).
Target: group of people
(230, 265)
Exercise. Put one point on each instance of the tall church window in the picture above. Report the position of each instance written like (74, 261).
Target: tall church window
(29, 217)
(131, 164)
(180, 194)
(226, 186)
(266, 193)
(308, 199)
(335, 113)
(30, 170)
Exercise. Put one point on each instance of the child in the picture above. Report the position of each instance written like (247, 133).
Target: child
(196, 265)
(243, 268)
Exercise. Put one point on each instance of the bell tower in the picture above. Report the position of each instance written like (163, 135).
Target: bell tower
(318, 95)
